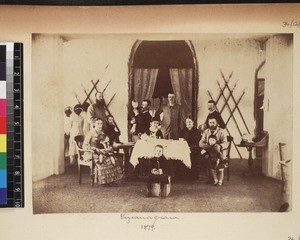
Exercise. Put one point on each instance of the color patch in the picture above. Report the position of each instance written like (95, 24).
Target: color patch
(2, 125)
(2, 107)
(3, 181)
(2, 89)
(3, 195)
(2, 143)
(3, 161)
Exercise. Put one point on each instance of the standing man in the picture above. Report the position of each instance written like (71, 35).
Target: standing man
(213, 113)
(144, 118)
(97, 110)
(172, 121)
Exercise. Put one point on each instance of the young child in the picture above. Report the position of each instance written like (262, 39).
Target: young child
(134, 121)
(154, 130)
(215, 162)
(106, 149)
(158, 170)
(111, 130)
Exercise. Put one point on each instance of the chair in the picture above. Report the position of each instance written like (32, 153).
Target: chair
(229, 140)
(84, 162)
(283, 166)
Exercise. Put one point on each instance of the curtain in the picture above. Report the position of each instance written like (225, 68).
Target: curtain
(181, 80)
(144, 81)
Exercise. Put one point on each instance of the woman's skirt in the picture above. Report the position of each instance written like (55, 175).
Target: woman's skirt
(107, 172)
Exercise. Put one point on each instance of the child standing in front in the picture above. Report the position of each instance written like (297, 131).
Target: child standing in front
(215, 162)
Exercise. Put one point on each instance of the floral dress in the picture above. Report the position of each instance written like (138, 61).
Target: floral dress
(107, 168)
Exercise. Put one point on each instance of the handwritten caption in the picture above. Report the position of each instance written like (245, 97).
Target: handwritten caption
(148, 222)
(291, 24)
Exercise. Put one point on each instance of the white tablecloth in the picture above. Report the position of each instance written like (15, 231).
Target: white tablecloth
(173, 149)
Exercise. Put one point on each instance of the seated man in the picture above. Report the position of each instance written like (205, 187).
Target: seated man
(159, 170)
(221, 137)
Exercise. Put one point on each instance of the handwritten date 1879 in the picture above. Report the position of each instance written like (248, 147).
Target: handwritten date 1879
(148, 227)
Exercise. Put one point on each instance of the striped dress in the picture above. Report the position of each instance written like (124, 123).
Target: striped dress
(107, 167)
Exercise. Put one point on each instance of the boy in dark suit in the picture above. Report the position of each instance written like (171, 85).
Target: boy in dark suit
(159, 170)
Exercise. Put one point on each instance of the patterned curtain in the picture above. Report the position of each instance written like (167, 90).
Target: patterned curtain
(144, 81)
(182, 79)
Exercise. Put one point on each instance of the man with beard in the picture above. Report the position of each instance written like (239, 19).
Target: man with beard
(219, 133)
(213, 113)
(144, 118)
(97, 110)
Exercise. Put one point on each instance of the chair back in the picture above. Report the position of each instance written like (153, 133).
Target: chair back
(78, 142)
(284, 167)
(283, 152)
(229, 140)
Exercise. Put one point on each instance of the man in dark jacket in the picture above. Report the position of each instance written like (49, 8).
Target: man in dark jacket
(213, 113)
(144, 118)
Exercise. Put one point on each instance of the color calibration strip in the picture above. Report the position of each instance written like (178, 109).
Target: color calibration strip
(3, 135)
(11, 136)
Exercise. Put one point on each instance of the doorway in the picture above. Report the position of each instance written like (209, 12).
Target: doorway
(259, 95)
(157, 68)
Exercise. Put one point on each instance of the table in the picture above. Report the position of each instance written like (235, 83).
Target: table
(127, 149)
(173, 150)
(249, 146)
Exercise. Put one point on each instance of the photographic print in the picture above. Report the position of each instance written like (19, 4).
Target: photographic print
(162, 122)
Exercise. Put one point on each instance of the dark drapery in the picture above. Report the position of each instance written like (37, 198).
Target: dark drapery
(144, 80)
(182, 82)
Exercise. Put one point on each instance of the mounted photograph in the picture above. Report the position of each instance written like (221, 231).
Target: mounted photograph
(139, 123)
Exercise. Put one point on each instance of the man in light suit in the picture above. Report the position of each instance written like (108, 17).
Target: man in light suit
(172, 121)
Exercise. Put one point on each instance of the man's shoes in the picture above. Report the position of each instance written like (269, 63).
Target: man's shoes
(220, 183)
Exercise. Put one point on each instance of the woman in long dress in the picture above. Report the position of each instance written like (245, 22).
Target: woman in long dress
(107, 169)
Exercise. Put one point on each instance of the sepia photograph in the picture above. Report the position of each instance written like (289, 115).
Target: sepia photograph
(162, 122)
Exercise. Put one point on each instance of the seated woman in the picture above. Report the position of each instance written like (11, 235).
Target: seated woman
(192, 135)
(107, 169)
(159, 170)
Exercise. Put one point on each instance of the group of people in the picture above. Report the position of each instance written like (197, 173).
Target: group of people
(169, 116)
(207, 144)
(100, 134)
